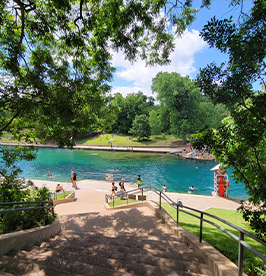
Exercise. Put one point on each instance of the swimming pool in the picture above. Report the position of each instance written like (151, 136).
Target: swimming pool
(156, 169)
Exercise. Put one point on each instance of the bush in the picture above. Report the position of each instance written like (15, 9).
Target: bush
(16, 190)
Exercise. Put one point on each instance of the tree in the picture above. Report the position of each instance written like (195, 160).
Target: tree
(181, 98)
(141, 127)
(131, 106)
(212, 115)
(240, 142)
(55, 60)
(155, 123)
(55, 66)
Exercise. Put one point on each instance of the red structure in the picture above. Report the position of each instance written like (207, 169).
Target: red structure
(221, 182)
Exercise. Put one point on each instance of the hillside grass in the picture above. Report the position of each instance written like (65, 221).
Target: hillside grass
(116, 140)
(125, 140)
(221, 241)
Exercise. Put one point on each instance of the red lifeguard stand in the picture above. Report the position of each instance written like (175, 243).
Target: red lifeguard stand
(221, 182)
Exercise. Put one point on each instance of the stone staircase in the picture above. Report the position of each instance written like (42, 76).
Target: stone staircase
(128, 242)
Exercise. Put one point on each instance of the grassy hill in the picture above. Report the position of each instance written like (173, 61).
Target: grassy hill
(122, 140)
(118, 140)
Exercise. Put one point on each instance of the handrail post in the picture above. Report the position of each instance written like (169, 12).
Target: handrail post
(142, 194)
(201, 221)
(160, 200)
(43, 215)
(240, 254)
(113, 201)
(177, 214)
(52, 208)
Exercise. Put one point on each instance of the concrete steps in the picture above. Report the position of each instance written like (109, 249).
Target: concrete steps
(118, 244)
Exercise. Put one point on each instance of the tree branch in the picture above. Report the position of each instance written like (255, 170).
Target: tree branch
(80, 13)
(10, 121)
(22, 8)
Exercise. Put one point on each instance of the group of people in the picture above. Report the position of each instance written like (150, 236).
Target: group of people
(73, 180)
(59, 188)
(122, 187)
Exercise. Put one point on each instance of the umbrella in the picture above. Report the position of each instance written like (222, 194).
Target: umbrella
(216, 167)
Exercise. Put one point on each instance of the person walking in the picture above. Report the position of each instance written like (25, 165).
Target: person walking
(139, 181)
(74, 180)
(113, 189)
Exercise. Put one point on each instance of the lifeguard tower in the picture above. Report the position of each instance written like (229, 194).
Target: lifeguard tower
(221, 182)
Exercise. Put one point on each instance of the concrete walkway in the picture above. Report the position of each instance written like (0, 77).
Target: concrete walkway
(91, 197)
(182, 150)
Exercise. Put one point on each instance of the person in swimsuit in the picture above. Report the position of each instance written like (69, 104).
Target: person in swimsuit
(139, 182)
(74, 180)
(71, 179)
(113, 189)
(59, 188)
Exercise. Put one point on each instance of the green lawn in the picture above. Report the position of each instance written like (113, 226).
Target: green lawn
(119, 140)
(119, 202)
(221, 241)
(59, 195)
(122, 140)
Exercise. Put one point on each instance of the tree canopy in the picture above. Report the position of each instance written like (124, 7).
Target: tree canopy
(155, 122)
(141, 127)
(181, 98)
(240, 142)
(55, 59)
(132, 105)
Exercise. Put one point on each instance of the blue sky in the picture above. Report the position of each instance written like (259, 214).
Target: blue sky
(191, 53)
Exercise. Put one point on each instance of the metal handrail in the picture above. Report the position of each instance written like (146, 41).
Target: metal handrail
(242, 232)
(42, 202)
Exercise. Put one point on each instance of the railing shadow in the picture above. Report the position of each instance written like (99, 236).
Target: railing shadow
(204, 217)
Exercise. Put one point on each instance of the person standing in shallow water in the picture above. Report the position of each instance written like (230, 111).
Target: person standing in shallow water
(139, 182)
(164, 188)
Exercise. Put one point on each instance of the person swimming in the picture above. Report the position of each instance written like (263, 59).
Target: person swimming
(192, 188)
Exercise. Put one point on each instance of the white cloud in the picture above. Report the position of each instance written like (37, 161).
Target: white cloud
(125, 90)
(182, 62)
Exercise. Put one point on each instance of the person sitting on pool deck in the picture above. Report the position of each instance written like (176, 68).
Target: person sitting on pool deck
(59, 188)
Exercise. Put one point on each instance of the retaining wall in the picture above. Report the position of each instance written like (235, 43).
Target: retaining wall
(20, 239)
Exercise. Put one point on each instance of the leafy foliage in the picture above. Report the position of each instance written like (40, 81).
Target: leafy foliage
(131, 106)
(155, 122)
(17, 190)
(55, 59)
(240, 142)
(141, 127)
(181, 98)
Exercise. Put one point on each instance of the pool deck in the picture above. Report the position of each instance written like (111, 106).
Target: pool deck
(91, 197)
(181, 150)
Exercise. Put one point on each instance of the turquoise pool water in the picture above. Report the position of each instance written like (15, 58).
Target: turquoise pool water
(155, 169)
